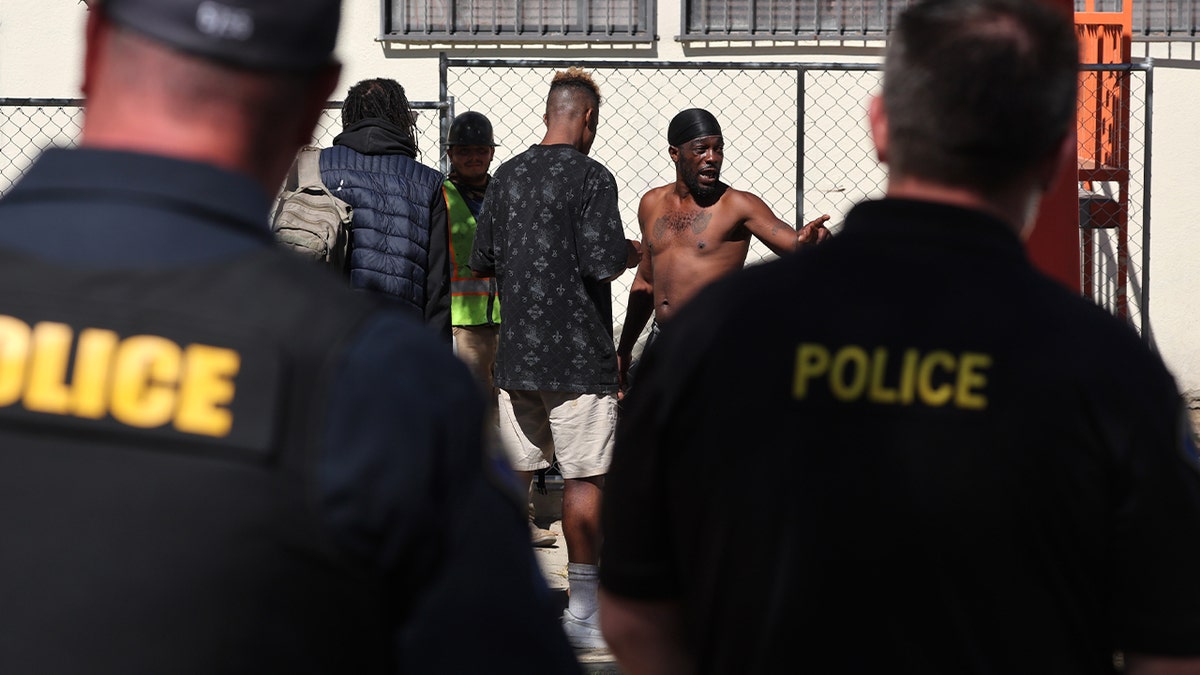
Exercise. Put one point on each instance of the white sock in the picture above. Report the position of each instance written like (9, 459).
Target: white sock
(582, 580)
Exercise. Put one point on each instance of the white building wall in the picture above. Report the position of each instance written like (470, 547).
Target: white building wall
(1175, 214)
(41, 53)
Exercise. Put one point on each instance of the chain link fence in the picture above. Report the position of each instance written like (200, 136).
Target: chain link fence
(27, 126)
(795, 135)
(30, 125)
(1115, 103)
(429, 131)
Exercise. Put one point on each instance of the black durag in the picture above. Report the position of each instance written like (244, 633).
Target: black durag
(692, 123)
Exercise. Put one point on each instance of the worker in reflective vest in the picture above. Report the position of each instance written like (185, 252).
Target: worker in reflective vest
(474, 307)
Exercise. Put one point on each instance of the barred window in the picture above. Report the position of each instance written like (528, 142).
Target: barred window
(1175, 19)
(787, 19)
(840, 19)
(554, 21)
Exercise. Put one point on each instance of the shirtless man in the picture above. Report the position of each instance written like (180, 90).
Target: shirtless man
(697, 230)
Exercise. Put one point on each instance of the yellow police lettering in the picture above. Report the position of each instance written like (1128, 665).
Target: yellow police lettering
(91, 374)
(848, 386)
(931, 394)
(145, 371)
(968, 391)
(932, 378)
(207, 386)
(14, 346)
(812, 361)
(47, 389)
(879, 392)
(908, 376)
(143, 381)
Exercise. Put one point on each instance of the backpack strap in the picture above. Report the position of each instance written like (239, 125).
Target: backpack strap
(308, 167)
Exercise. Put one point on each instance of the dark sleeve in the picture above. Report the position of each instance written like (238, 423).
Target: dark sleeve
(637, 561)
(437, 283)
(483, 252)
(599, 235)
(654, 440)
(1157, 534)
(406, 487)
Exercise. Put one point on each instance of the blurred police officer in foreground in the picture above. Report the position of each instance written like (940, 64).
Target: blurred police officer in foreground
(967, 469)
(213, 457)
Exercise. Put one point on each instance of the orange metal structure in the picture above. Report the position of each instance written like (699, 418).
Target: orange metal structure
(1061, 245)
(1054, 244)
(1104, 38)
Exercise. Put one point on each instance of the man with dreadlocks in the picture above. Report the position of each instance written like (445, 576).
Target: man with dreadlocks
(398, 237)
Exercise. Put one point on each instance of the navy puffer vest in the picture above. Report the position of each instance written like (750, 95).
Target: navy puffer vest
(389, 236)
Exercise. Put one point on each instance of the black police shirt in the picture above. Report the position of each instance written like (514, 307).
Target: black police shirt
(399, 484)
(907, 451)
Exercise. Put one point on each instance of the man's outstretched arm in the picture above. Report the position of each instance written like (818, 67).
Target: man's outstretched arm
(775, 233)
(813, 232)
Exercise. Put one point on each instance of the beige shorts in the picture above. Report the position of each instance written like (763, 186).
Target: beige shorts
(578, 429)
(476, 346)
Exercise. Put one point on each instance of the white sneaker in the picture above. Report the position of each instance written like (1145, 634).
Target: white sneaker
(583, 633)
(541, 537)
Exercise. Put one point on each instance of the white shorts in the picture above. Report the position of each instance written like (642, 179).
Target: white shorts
(578, 429)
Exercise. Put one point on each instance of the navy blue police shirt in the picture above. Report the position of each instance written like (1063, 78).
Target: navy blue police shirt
(401, 483)
(907, 451)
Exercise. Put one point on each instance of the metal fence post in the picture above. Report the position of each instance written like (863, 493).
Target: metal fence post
(800, 83)
(1146, 173)
(447, 112)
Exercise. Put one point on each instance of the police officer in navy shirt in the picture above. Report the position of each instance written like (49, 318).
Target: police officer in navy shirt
(938, 460)
(213, 457)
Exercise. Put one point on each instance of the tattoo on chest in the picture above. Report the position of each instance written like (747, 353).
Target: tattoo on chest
(678, 221)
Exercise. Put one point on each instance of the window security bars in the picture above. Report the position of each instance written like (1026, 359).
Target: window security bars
(707, 20)
(788, 19)
(1156, 19)
(491, 21)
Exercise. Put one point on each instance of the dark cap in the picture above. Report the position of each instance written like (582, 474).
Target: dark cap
(471, 128)
(692, 123)
(286, 35)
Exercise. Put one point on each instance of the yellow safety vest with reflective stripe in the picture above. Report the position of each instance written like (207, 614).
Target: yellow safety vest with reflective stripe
(473, 300)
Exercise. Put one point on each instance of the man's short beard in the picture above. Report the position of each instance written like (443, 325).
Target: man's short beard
(692, 181)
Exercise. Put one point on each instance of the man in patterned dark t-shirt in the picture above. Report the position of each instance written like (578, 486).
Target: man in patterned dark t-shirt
(550, 232)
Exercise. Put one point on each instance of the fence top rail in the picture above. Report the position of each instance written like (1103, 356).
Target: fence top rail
(1140, 65)
(661, 65)
(59, 102)
(79, 102)
(1145, 64)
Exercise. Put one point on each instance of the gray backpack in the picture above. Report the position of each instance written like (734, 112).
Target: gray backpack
(308, 218)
